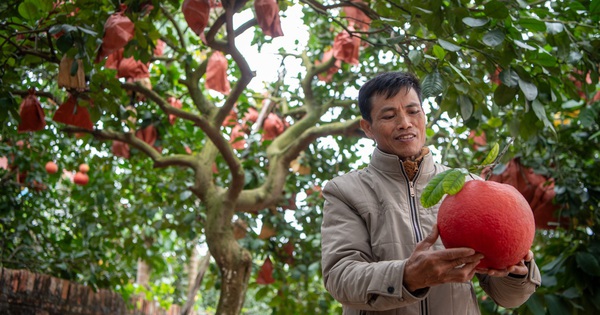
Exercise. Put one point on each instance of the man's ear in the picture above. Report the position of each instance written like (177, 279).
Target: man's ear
(366, 127)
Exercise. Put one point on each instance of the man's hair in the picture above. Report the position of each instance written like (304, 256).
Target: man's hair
(387, 84)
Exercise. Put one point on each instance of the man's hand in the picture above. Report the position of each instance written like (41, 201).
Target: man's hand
(426, 267)
(519, 269)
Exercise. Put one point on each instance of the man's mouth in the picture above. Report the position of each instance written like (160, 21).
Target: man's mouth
(406, 137)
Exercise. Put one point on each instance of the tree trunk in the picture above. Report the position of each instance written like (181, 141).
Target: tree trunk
(235, 266)
(143, 273)
(234, 261)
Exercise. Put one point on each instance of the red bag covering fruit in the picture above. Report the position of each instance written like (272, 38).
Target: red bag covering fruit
(272, 127)
(265, 274)
(132, 69)
(159, 48)
(113, 60)
(327, 76)
(267, 16)
(237, 138)
(148, 135)
(345, 47)
(230, 120)
(249, 118)
(71, 114)
(196, 13)
(216, 73)
(118, 31)
(175, 103)
(120, 148)
(357, 17)
(31, 113)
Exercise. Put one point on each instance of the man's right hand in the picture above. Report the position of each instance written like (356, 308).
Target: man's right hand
(426, 267)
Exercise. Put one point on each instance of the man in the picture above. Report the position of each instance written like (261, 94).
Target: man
(381, 250)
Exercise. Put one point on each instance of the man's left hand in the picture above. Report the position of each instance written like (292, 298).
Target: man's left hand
(518, 269)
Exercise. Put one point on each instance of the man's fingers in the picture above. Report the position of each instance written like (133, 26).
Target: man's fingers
(427, 242)
(465, 254)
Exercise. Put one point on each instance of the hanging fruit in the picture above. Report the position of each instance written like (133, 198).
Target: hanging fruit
(148, 135)
(346, 46)
(175, 103)
(237, 138)
(51, 167)
(230, 120)
(71, 78)
(31, 113)
(356, 17)
(196, 13)
(159, 48)
(267, 16)
(272, 127)
(71, 113)
(216, 73)
(265, 274)
(130, 68)
(81, 179)
(250, 118)
(118, 31)
(84, 168)
(113, 60)
(327, 76)
(120, 148)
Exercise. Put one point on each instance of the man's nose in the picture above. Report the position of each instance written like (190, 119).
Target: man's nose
(403, 122)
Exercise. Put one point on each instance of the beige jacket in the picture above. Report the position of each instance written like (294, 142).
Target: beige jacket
(372, 221)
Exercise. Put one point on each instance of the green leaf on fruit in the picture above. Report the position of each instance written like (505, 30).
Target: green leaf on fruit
(491, 157)
(453, 182)
(447, 182)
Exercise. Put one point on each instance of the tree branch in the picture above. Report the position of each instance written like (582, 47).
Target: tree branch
(268, 193)
(177, 29)
(160, 161)
(212, 132)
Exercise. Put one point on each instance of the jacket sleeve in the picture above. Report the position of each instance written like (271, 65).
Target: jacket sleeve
(350, 273)
(511, 292)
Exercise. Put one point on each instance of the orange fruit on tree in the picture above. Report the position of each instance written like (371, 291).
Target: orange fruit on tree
(84, 168)
(492, 218)
(51, 167)
(81, 178)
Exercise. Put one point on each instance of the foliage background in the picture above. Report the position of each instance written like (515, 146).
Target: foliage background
(548, 54)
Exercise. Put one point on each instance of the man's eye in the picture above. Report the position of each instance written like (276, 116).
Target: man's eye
(387, 117)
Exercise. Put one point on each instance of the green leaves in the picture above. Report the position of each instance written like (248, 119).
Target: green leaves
(447, 182)
(493, 38)
(448, 45)
(492, 155)
(432, 84)
(474, 22)
(588, 263)
(32, 10)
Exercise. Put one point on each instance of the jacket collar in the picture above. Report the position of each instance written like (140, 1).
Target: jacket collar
(391, 163)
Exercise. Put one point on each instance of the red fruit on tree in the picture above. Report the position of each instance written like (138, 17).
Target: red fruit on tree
(51, 167)
(84, 168)
(81, 179)
(492, 218)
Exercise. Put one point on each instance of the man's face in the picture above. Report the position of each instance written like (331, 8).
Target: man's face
(398, 125)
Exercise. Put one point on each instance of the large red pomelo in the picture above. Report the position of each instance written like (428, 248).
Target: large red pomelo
(491, 218)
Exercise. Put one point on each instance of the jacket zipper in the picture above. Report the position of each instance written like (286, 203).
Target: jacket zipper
(413, 203)
(414, 210)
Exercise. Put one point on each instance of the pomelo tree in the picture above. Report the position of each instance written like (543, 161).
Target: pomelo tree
(157, 98)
